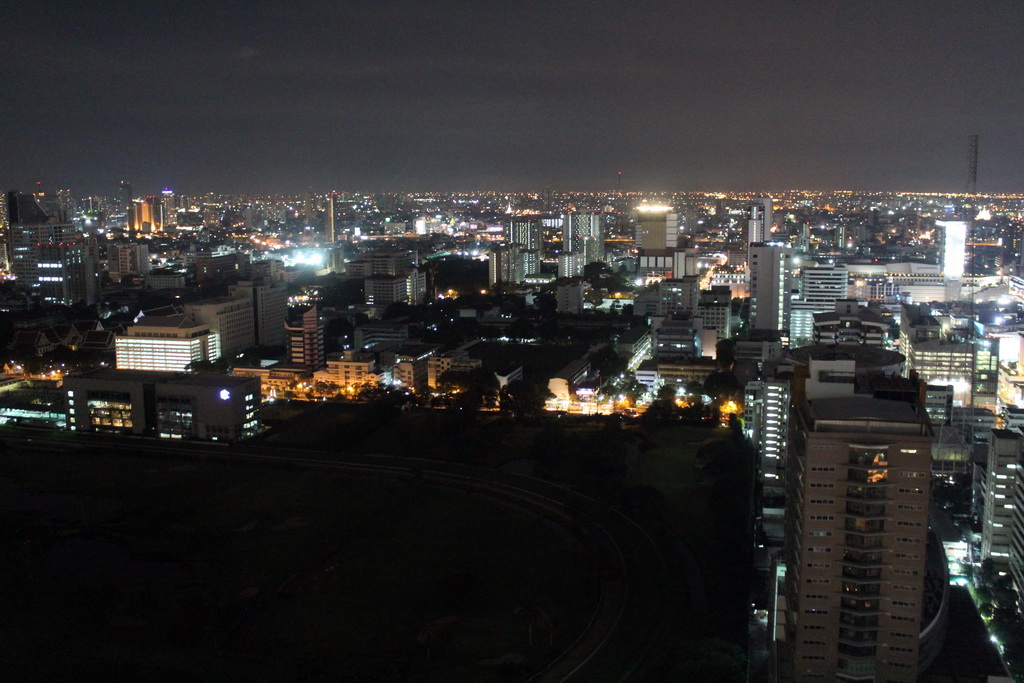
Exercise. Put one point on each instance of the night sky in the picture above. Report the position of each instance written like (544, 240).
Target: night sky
(512, 95)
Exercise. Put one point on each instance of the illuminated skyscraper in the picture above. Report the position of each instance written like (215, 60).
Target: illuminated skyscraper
(50, 260)
(759, 220)
(583, 234)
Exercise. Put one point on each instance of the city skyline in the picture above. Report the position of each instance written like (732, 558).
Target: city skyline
(403, 98)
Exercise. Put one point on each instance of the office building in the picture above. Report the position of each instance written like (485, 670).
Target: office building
(657, 228)
(51, 261)
(820, 288)
(954, 248)
(715, 310)
(943, 356)
(771, 283)
(164, 404)
(231, 317)
(349, 370)
(678, 295)
(850, 323)
(165, 343)
(269, 308)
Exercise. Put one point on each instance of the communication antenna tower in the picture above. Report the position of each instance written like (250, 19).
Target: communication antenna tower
(972, 165)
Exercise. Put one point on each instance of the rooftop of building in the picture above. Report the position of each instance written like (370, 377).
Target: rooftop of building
(864, 356)
(186, 378)
(1007, 434)
(863, 408)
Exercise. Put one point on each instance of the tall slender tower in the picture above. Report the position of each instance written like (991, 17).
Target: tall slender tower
(759, 220)
(329, 235)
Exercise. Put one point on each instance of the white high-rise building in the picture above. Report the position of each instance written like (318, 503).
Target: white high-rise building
(821, 287)
(766, 406)
(1004, 457)
(954, 248)
(583, 234)
(771, 273)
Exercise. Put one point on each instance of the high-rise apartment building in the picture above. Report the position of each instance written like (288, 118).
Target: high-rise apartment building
(771, 276)
(583, 234)
(504, 265)
(306, 340)
(766, 408)
(858, 482)
(1004, 457)
(126, 259)
(527, 233)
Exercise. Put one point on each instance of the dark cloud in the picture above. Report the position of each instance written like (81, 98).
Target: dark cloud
(437, 95)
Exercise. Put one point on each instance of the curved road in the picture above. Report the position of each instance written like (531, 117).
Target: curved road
(622, 640)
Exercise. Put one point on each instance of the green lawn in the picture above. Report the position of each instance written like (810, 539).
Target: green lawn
(160, 570)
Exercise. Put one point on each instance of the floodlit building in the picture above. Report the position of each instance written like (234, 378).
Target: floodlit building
(165, 343)
(349, 370)
(164, 404)
(657, 229)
